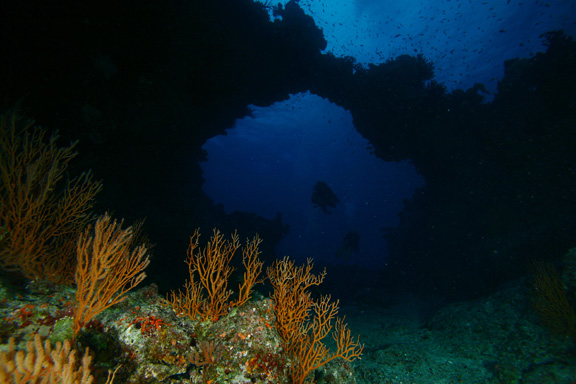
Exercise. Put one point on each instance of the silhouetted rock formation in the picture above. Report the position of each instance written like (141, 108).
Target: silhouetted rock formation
(143, 87)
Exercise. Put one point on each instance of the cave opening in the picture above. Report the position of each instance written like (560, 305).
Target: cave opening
(269, 163)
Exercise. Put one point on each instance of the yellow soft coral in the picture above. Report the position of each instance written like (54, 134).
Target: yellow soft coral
(41, 216)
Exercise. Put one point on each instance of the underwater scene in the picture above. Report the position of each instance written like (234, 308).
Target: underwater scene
(288, 192)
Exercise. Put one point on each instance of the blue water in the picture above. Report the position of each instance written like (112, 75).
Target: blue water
(467, 40)
(269, 163)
